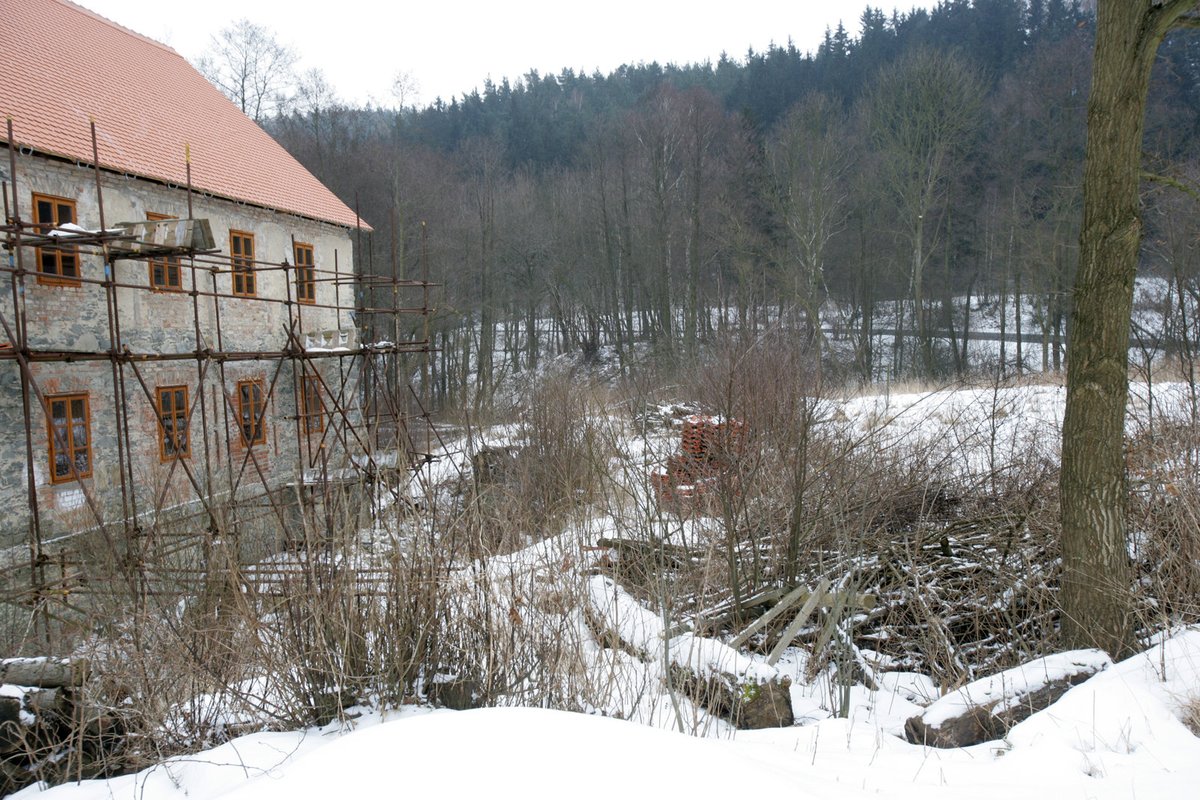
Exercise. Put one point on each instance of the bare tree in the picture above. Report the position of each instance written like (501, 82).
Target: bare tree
(483, 174)
(406, 90)
(808, 158)
(250, 67)
(922, 113)
(660, 130)
(1096, 602)
(314, 98)
(705, 138)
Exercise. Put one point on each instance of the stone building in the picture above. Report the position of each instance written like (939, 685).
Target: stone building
(176, 297)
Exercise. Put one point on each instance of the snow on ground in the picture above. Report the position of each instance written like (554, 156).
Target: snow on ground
(977, 430)
(1116, 735)
(644, 630)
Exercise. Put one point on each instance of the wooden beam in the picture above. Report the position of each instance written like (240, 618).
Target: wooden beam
(787, 602)
(165, 237)
(793, 627)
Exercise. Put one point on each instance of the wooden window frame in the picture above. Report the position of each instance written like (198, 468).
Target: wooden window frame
(304, 256)
(177, 412)
(168, 264)
(55, 278)
(73, 450)
(312, 407)
(241, 264)
(251, 412)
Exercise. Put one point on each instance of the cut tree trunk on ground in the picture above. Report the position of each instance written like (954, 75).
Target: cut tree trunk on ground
(31, 717)
(748, 705)
(48, 673)
(987, 708)
(713, 675)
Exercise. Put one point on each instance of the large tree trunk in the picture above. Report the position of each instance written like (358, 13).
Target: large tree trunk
(1095, 587)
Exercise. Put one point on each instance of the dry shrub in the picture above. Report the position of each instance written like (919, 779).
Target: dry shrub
(523, 492)
(513, 637)
(1191, 714)
(563, 455)
(963, 566)
(1164, 523)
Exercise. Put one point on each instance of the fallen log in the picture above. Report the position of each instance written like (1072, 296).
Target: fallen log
(655, 552)
(987, 708)
(716, 677)
(31, 716)
(48, 673)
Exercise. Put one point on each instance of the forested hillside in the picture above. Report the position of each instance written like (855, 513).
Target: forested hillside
(911, 159)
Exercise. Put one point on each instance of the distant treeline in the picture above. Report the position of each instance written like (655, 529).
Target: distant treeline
(920, 157)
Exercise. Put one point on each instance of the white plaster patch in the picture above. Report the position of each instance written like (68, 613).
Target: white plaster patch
(67, 499)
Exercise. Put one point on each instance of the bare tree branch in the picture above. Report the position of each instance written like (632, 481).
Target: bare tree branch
(251, 68)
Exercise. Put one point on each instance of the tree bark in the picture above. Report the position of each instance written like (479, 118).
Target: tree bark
(1095, 599)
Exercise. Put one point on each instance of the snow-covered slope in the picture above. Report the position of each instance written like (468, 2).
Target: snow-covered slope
(1115, 736)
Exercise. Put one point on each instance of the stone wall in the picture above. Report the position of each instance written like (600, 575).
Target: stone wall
(76, 318)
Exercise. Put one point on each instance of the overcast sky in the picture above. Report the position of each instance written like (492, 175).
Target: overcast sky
(449, 47)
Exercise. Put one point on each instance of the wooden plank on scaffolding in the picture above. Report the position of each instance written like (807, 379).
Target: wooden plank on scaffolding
(165, 237)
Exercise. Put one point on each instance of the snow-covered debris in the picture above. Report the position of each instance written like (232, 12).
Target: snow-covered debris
(1005, 690)
(1113, 737)
(642, 629)
(986, 708)
(747, 691)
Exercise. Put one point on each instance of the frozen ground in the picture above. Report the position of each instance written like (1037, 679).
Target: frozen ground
(1118, 735)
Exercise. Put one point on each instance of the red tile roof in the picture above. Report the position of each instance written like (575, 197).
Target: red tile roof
(62, 65)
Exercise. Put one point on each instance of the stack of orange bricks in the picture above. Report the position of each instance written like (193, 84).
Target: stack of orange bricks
(708, 447)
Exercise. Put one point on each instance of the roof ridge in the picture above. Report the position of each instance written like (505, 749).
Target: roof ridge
(119, 26)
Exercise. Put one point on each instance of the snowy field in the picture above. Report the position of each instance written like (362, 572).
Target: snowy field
(1119, 734)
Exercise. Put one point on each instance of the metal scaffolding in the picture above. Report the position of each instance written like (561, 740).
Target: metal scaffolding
(140, 543)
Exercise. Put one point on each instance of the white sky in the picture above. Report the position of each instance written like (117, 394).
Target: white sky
(450, 46)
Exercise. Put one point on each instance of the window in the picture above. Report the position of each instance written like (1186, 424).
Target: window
(172, 417)
(241, 261)
(311, 405)
(70, 437)
(164, 272)
(55, 265)
(250, 408)
(306, 280)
